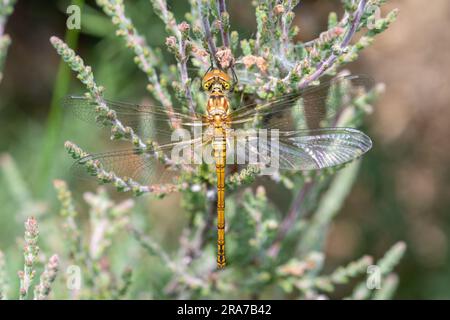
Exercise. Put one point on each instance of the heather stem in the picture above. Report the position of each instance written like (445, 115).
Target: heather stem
(144, 55)
(3, 278)
(31, 251)
(42, 290)
(204, 13)
(180, 32)
(224, 23)
(290, 218)
(328, 62)
(6, 8)
(182, 66)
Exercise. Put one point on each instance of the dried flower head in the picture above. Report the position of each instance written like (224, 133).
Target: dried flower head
(278, 9)
(251, 60)
(225, 57)
(184, 27)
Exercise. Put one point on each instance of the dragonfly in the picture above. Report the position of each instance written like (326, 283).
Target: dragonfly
(307, 135)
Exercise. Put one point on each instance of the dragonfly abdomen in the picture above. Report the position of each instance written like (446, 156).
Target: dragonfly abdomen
(219, 148)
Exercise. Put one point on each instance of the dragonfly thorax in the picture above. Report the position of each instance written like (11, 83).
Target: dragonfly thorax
(217, 109)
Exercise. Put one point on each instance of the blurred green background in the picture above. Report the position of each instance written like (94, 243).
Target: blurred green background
(403, 192)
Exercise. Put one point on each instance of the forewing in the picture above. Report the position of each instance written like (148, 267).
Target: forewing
(312, 107)
(147, 121)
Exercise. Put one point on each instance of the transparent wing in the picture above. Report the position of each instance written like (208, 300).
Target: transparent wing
(302, 149)
(148, 121)
(144, 168)
(312, 107)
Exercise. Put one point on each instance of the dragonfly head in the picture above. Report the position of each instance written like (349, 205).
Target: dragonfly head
(216, 80)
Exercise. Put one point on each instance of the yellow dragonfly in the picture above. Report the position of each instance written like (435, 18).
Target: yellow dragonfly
(292, 132)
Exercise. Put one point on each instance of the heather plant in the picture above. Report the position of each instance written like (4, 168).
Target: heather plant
(6, 8)
(113, 253)
(27, 276)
